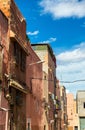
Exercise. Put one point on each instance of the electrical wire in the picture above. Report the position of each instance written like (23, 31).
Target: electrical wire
(74, 81)
(80, 80)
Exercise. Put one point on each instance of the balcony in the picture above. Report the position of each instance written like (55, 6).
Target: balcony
(17, 85)
(51, 95)
(19, 40)
(16, 76)
(58, 105)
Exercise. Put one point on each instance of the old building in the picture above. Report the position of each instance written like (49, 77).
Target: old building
(3, 69)
(70, 110)
(14, 85)
(81, 108)
(35, 104)
(75, 117)
(73, 121)
(45, 52)
(27, 79)
(63, 108)
(58, 106)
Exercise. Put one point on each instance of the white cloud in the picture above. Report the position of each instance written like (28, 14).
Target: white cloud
(63, 8)
(50, 40)
(71, 67)
(72, 56)
(33, 33)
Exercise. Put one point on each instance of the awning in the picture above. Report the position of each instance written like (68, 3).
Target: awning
(16, 85)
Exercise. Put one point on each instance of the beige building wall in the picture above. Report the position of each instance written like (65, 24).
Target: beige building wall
(75, 115)
(81, 108)
(63, 108)
(73, 121)
(81, 103)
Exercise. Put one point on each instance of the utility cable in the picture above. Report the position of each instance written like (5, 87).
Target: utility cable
(80, 80)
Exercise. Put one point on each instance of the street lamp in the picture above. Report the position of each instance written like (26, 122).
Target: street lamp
(3, 109)
(38, 62)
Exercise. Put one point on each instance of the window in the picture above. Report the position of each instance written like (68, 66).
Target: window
(22, 60)
(28, 126)
(16, 52)
(84, 104)
(45, 77)
(75, 127)
(44, 127)
(20, 56)
(19, 98)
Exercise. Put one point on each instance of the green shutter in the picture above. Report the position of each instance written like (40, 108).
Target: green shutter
(82, 123)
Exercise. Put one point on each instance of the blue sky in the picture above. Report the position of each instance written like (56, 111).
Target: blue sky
(61, 23)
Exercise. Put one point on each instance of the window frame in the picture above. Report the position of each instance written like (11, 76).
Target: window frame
(19, 56)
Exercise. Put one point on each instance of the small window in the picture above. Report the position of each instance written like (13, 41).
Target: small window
(45, 77)
(71, 112)
(16, 52)
(84, 104)
(20, 56)
(75, 127)
(22, 60)
(44, 127)
(28, 126)
(19, 98)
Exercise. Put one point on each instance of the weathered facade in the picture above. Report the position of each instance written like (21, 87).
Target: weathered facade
(44, 51)
(3, 69)
(27, 79)
(81, 108)
(73, 122)
(15, 89)
(70, 110)
(64, 118)
(58, 106)
(34, 100)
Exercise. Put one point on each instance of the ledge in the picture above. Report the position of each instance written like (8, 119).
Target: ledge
(14, 37)
(16, 85)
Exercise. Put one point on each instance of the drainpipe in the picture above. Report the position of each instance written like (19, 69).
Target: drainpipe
(6, 110)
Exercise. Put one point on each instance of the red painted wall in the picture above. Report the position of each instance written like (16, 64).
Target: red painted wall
(3, 65)
(34, 105)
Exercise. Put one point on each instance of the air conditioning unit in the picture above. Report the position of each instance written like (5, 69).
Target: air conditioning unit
(56, 97)
(56, 115)
(48, 106)
(54, 102)
(52, 96)
(57, 106)
(51, 121)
